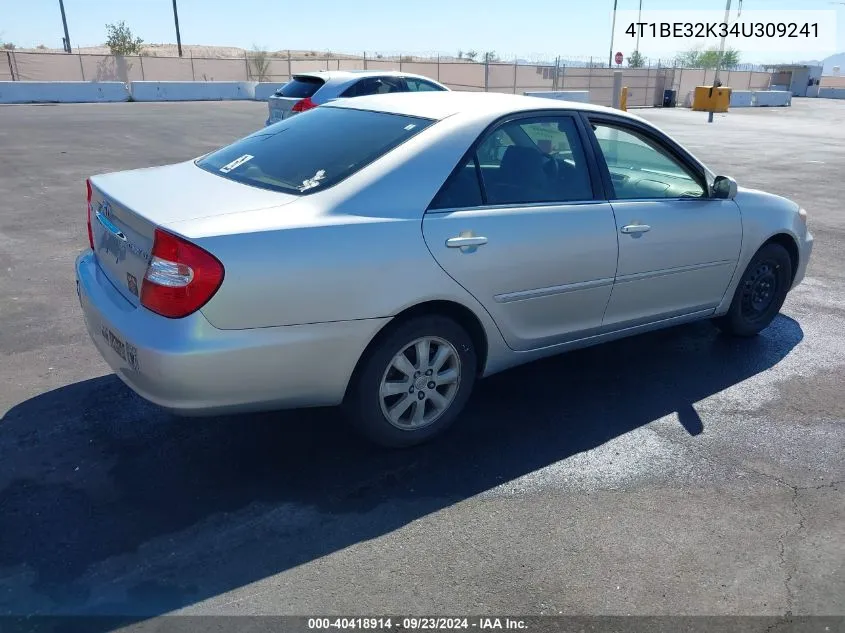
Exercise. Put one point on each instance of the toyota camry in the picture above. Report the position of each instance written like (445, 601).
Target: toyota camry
(385, 252)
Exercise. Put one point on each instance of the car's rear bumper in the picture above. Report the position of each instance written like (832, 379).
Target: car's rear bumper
(192, 368)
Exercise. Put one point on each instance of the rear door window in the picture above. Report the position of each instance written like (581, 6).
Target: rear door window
(301, 87)
(421, 85)
(312, 151)
(375, 86)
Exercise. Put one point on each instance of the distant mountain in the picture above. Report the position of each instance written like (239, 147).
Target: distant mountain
(834, 60)
(828, 63)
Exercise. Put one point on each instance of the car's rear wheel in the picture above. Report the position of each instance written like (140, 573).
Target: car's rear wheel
(760, 293)
(414, 382)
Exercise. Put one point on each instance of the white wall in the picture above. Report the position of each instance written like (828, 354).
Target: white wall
(192, 90)
(62, 91)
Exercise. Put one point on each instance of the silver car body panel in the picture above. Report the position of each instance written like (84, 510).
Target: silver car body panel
(310, 280)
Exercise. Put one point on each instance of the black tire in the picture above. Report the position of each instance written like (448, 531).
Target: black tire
(364, 398)
(760, 293)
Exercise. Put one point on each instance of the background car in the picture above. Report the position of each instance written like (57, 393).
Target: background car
(384, 252)
(307, 90)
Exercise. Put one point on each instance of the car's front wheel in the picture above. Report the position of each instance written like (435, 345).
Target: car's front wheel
(760, 293)
(414, 382)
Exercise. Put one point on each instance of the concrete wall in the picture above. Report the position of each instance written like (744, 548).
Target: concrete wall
(832, 93)
(772, 98)
(192, 90)
(742, 98)
(263, 90)
(62, 91)
(751, 98)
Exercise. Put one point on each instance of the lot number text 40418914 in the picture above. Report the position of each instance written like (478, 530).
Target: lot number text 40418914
(418, 623)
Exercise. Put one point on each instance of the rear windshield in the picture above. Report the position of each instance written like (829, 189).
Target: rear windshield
(313, 150)
(300, 87)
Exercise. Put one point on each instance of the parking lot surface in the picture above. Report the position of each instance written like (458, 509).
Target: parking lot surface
(678, 472)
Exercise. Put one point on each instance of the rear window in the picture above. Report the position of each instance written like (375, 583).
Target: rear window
(300, 87)
(313, 150)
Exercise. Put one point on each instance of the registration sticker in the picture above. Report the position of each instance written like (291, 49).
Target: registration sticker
(236, 163)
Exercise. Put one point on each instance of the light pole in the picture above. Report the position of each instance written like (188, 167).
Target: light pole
(64, 24)
(612, 32)
(639, 21)
(721, 55)
(178, 36)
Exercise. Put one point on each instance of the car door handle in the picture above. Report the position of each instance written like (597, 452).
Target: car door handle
(636, 228)
(463, 241)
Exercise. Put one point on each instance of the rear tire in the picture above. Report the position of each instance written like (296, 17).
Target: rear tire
(413, 383)
(760, 293)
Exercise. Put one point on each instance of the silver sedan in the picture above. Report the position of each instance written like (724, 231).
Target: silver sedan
(386, 252)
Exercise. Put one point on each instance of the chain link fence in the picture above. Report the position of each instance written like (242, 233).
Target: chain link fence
(646, 85)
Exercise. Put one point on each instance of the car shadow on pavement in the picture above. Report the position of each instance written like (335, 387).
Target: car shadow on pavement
(109, 505)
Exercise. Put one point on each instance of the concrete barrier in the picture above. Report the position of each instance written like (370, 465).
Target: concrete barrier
(742, 98)
(773, 98)
(581, 96)
(62, 91)
(192, 90)
(832, 93)
(263, 90)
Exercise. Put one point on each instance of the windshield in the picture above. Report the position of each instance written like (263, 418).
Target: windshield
(312, 151)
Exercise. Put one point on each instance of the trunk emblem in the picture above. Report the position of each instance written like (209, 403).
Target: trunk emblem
(114, 240)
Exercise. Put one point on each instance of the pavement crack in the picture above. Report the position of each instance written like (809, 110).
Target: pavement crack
(832, 484)
(789, 569)
(790, 531)
(779, 623)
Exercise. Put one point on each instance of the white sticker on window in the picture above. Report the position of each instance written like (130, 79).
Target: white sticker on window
(410, 126)
(236, 163)
(314, 181)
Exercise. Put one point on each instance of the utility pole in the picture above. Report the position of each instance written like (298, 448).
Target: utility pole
(178, 36)
(64, 24)
(612, 32)
(721, 54)
(639, 21)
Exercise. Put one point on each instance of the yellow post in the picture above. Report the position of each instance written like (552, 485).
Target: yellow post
(623, 99)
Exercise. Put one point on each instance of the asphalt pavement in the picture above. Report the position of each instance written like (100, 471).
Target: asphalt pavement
(679, 472)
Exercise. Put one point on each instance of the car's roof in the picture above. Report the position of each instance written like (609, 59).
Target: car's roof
(438, 105)
(327, 75)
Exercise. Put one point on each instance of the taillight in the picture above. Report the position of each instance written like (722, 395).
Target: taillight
(90, 232)
(303, 105)
(181, 277)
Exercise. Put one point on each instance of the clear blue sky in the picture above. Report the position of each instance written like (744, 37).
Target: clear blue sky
(524, 28)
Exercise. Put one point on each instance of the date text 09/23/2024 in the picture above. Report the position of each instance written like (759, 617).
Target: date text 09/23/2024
(417, 623)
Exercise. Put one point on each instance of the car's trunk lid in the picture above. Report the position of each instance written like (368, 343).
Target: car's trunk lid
(126, 208)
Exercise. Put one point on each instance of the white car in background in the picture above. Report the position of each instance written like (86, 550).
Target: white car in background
(308, 90)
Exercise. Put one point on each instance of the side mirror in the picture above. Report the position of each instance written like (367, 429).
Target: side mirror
(724, 187)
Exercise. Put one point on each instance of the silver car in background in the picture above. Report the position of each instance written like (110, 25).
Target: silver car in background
(385, 252)
(308, 90)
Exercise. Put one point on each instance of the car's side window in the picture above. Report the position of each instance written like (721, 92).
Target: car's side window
(641, 168)
(354, 90)
(462, 190)
(534, 160)
(523, 161)
(420, 85)
(375, 86)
